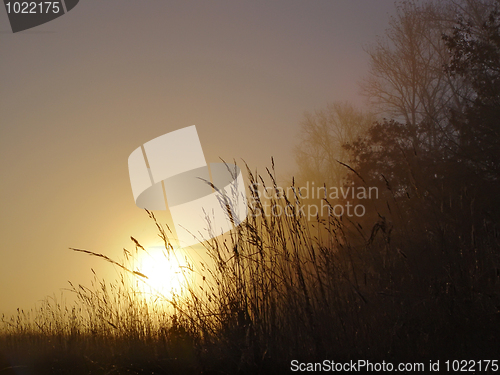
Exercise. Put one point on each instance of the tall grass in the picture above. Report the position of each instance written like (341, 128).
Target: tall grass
(277, 288)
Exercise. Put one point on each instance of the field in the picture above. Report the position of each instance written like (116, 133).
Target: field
(279, 288)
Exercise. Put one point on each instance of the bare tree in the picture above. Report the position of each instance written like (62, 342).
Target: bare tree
(406, 81)
(323, 133)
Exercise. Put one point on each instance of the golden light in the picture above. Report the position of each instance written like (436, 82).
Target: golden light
(168, 273)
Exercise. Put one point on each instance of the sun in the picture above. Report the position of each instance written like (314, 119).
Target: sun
(168, 273)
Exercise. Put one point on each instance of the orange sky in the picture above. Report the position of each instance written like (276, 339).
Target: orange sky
(79, 94)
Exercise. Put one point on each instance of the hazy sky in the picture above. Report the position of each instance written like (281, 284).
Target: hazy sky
(80, 93)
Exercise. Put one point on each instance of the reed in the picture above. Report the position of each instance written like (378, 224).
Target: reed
(278, 288)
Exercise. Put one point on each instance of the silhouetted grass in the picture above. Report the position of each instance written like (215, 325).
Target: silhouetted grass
(278, 288)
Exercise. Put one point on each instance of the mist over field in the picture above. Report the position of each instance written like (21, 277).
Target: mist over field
(368, 139)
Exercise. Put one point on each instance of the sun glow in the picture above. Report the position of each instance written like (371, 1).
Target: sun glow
(168, 273)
